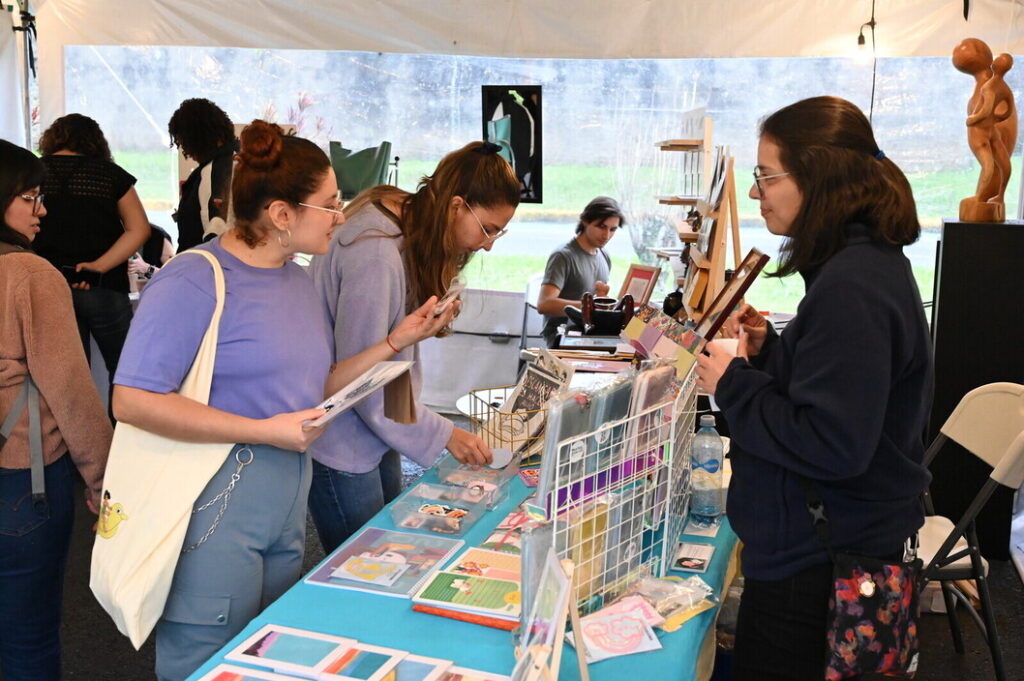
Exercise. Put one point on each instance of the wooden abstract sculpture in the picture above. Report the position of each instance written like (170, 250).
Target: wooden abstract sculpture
(991, 128)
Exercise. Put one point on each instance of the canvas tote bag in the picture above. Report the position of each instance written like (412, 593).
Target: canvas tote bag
(150, 486)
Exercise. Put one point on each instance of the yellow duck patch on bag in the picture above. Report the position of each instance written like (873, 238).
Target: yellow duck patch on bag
(111, 516)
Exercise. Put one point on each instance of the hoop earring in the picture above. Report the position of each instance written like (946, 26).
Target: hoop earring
(284, 244)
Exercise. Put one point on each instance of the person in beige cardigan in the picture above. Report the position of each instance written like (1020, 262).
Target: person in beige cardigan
(39, 338)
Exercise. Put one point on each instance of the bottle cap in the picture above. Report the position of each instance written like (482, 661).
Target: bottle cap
(707, 421)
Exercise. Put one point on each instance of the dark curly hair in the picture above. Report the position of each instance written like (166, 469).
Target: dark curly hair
(200, 127)
(77, 133)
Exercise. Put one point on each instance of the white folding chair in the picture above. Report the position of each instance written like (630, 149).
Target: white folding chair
(989, 423)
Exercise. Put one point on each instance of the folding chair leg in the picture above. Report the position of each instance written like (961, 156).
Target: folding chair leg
(954, 623)
(990, 628)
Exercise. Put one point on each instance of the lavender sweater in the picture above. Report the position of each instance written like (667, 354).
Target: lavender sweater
(361, 281)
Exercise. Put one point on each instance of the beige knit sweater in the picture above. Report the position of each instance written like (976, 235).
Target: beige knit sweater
(38, 335)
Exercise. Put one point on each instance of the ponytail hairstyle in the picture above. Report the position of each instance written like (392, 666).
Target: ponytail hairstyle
(76, 133)
(829, 149)
(20, 170)
(272, 166)
(477, 174)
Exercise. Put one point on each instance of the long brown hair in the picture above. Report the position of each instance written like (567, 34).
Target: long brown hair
(269, 167)
(477, 174)
(829, 149)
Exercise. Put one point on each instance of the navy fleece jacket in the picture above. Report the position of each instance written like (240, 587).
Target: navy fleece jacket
(840, 397)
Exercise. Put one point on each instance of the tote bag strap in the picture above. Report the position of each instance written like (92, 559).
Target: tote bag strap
(196, 385)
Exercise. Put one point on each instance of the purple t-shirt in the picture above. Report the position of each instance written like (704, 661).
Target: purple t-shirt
(275, 343)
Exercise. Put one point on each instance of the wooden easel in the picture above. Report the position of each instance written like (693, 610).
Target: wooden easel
(705, 275)
(546, 661)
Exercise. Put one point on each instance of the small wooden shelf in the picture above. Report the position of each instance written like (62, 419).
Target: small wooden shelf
(680, 145)
(676, 200)
(685, 232)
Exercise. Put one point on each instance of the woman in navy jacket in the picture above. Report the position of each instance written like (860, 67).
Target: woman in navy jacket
(840, 397)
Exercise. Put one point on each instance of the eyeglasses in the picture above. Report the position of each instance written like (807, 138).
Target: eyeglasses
(490, 237)
(336, 211)
(759, 179)
(36, 199)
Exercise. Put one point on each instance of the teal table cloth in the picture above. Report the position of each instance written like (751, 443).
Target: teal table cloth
(391, 622)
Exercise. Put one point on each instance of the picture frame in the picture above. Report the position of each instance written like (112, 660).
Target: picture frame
(512, 119)
(730, 295)
(230, 672)
(640, 282)
(288, 650)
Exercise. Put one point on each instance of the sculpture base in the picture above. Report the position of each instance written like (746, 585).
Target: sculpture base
(973, 210)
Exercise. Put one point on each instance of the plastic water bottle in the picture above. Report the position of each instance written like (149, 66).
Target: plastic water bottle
(706, 502)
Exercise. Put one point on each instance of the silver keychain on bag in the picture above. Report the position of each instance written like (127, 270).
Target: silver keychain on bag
(224, 494)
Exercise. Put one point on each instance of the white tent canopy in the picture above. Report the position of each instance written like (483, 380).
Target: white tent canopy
(578, 29)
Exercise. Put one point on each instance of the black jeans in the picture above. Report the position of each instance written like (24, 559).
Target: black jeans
(781, 631)
(106, 316)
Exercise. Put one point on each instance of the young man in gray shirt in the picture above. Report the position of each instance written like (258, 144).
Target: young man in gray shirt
(579, 266)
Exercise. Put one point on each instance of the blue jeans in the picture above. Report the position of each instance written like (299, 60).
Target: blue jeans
(33, 552)
(106, 316)
(342, 502)
(253, 557)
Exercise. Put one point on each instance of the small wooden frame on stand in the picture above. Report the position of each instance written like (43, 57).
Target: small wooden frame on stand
(542, 659)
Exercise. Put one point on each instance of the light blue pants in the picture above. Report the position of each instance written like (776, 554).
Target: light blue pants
(253, 556)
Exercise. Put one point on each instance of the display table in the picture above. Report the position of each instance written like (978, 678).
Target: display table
(387, 621)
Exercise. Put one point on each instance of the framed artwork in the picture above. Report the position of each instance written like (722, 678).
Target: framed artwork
(727, 299)
(639, 283)
(512, 120)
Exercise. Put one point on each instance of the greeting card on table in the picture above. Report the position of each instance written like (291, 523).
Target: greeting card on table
(362, 662)
(467, 593)
(692, 557)
(230, 672)
(389, 562)
(284, 649)
(483, 563)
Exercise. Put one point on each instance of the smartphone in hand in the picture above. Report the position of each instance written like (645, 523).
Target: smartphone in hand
(451, 295)
(90, 277)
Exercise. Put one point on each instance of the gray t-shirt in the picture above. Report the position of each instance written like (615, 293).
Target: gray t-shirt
(574, 272)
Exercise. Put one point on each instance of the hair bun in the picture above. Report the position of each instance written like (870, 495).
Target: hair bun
(261, 144)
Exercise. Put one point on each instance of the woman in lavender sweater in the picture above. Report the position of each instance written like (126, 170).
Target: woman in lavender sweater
(397, 250)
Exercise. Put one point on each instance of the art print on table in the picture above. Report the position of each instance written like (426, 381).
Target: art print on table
(377, 551)
(420, 668)
(615, 634)
(230, 672)
(362, 662)
(285, 649)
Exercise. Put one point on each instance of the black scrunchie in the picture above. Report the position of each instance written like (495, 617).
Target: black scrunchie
(488, 148)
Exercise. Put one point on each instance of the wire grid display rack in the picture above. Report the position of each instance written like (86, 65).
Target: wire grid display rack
(519, 431)
(621, 497)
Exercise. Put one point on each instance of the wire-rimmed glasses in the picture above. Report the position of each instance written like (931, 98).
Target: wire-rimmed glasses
(759, 179)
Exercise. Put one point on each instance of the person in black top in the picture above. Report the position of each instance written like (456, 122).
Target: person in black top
(204, 133)
(94, 222)
(840, 398)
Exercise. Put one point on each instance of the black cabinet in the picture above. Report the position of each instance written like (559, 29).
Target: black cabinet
(978, 334)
